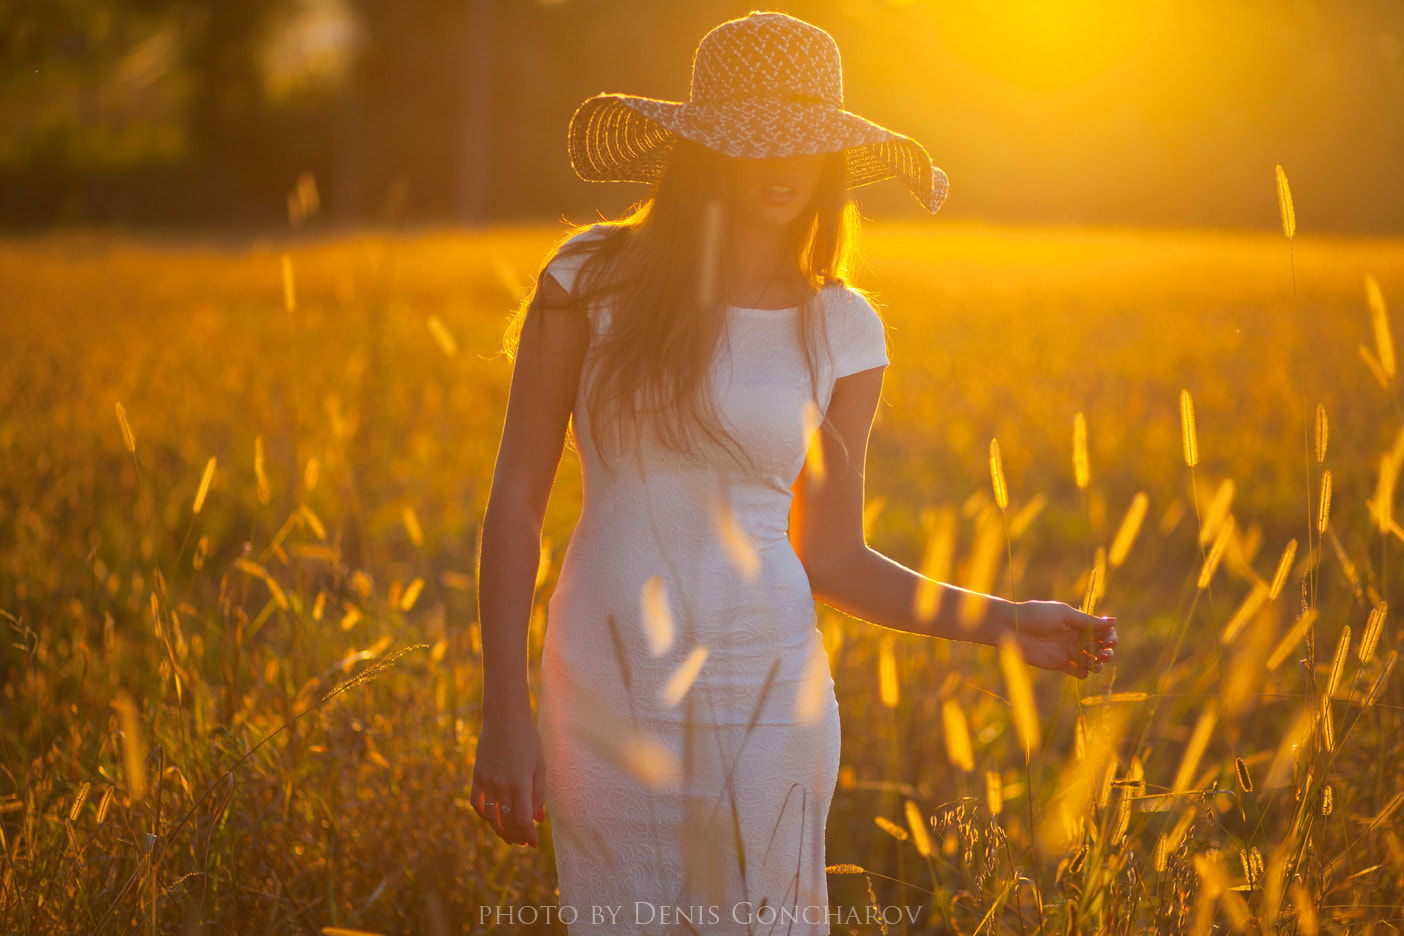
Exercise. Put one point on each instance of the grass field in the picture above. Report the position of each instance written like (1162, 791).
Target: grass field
(1209, 775)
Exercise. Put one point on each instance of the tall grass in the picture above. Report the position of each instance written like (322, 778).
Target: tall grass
(291, 495)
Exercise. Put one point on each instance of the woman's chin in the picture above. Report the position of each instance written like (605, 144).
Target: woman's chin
(776, 216)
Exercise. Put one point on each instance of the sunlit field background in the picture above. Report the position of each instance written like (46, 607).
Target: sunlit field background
(348, 392)
(256, 261)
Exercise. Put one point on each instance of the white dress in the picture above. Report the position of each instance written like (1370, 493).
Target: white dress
(649, 837)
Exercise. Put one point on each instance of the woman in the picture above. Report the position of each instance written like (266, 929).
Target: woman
(720, 380)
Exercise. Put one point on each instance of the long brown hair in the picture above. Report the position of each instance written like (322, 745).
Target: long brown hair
(658, 267)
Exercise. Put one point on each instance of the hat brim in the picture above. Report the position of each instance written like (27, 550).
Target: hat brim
(625, 138)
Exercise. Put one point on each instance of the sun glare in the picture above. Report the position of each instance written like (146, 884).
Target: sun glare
(1047, 43)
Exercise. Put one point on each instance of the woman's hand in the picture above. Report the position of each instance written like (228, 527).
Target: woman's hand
(1055, 636)
(509, 778)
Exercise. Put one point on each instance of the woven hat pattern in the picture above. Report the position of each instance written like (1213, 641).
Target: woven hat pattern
(767, 84)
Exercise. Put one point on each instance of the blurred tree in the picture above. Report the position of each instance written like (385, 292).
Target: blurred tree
(49, 47)
(409, 101)
(228, 118)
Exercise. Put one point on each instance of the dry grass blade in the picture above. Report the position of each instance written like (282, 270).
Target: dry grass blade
(1089, 592)
(79, 799)
(891, 828)
(812, 420)
(289, 293)
(917, 823)
(128, 439)
(1021, 700)
(1113, 697)
(259, 572)
(1245, 780)
(374, 671)
(1292, 638)
(1161, 853)
(620, 655)
(1252, 604)
(1338, 661)
(1284, 565)
(1218, 510)
(1082, 471)
(994, 792)
(887, 673)
(814, 689)
(957, 734)
(1001, 492)
(1374, 367)
(204, 488)
(411, 594)
(1189, 440)
(1379, 317)
(314, 522)
(1323, 516)
(936, 559)
(1378, 685)
(684, 676)
(1199, 740)
(1130, 527)
(1322, 430)
(105, 804)
(1096, 583)
(735, 542)
(1327, 725)
(1387, 811)
(1383, 505)
(1284, 203)
(1373, 627)
(1304, 908)
(981, 568)
(133, 746)
(441, 335)
(710, 255)
(657, 616)
(1026, 515)
(1216, 553)
(412, 527)
(261, 479)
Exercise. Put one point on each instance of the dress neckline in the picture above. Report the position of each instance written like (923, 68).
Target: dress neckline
(786, 309)
(763, 311)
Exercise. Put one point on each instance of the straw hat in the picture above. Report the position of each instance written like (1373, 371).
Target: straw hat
(766, 84)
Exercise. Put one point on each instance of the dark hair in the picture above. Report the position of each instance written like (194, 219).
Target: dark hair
(653, 264)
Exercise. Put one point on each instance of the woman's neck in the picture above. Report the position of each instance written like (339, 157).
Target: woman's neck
(761, 271)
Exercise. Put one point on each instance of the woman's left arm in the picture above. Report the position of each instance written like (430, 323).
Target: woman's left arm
(826, 530)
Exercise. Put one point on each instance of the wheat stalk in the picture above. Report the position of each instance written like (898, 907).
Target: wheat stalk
(1188, 438)
(204, 488)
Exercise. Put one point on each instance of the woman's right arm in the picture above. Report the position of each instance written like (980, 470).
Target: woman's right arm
(508, 767)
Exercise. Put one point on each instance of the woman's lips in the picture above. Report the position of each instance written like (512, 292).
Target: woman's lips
(778, 195)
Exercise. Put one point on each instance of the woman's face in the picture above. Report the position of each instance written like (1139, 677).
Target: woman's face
(771, 192)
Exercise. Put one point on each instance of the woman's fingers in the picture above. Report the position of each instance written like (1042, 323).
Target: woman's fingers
(475, 798)
(519, 820)
(491, 816)
(488, 805)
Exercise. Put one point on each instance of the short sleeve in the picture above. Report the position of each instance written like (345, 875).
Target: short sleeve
(565, 266)
(856, 335)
